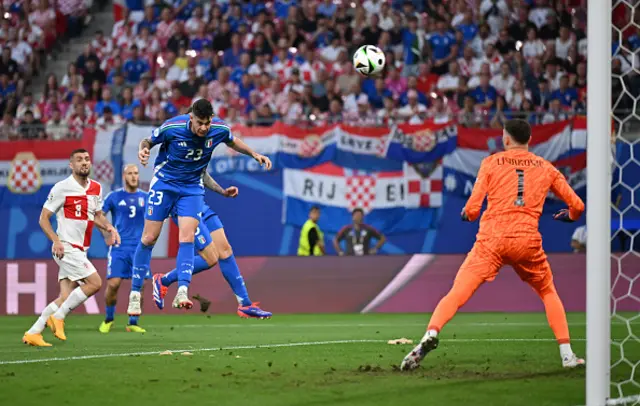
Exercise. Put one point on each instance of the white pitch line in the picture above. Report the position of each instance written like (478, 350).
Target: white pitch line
(342, 325)
(252, 347)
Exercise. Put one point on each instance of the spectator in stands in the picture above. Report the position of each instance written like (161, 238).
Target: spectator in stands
(549, 30)
(93, 73)
(135, 66)
(443, 48)
(414, 112)
(179, 39)
(27, 104)
(468, 116)
(190, 87)
(30, 128)
(516, 95)
(440, 112)
(504, 80)
(358, 237)
(441, 43)
(388, 115)
(311, 242)
(450, 82)
(564, 42)
(469, 65)
(107, 101)
(8, 128)
(505, 43)
(568, 96)
(128, 103)
(108, 119)
(8, 65)
(499, 113)
(484, 95)
(518, 30)
(554, 113)
(56, 128)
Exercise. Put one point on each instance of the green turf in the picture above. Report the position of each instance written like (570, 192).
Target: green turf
(466, 369)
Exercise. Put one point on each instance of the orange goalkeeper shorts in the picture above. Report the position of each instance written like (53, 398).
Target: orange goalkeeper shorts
(526, 257)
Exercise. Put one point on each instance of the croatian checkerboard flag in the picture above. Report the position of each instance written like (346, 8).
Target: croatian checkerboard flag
(393, 201)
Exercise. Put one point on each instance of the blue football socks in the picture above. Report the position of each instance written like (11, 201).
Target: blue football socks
(199, 265)
(231, 273)
(141, 261)
(110, 313)
(184, 263)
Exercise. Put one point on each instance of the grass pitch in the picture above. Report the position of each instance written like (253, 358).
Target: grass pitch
(483, 359)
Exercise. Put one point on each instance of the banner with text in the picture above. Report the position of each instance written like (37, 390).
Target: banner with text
(394, 201)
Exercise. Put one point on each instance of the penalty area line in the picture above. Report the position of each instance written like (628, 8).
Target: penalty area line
(252, 347)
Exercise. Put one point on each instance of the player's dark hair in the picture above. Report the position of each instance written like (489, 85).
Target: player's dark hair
(357, 210)
(314, 208)
(78, 151)
(519, 130)
(202, 108)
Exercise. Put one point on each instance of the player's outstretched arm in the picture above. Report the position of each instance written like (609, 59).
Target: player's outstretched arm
(100, 220)
(214, 186)
(45, 224)
(241, 147)
(560, 187)
(472, 209)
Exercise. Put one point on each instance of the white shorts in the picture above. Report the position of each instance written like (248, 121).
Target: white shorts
(74, 265)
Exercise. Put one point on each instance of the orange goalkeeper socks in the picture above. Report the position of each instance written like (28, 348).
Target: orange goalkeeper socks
(556, 315)
(459, 294)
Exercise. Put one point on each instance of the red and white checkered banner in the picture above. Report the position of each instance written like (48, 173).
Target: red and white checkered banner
(26, 167)
(394, 201)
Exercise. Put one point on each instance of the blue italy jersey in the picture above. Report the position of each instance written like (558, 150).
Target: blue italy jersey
(183, 156)
(127, 214)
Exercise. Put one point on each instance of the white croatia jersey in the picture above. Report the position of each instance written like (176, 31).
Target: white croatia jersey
(75, 207)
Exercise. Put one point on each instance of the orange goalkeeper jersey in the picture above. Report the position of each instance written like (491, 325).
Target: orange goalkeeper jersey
(516, 183)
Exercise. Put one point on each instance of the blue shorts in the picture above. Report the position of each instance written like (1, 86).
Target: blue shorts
(166, 198)
(209, 222)
(120, 263)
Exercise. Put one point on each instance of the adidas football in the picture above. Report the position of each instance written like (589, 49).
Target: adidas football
(368, 60)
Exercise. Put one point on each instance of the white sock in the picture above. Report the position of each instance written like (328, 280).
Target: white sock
(75, 299)
(565, 351)
(429, 334)
(183, 289)
(41, 323)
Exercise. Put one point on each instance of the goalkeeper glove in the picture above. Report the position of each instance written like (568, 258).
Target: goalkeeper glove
(464, 216)
(563, 215)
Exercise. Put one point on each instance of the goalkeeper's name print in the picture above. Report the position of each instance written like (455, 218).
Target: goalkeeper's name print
(503, 160)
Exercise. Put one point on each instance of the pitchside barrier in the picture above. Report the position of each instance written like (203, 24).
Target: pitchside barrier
(390, 284)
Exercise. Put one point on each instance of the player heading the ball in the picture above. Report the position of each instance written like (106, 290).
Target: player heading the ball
(186, 144)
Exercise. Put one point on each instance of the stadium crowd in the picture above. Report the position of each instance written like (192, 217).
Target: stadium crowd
(478, 62)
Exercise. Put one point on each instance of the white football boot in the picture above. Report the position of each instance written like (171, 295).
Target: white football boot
(572, 361)
(413, 359)
(134, 308)
(181, 301)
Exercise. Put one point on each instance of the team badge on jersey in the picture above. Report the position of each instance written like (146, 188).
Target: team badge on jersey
(201, 239)
(150, 210)
(209, 143)
(141, 201)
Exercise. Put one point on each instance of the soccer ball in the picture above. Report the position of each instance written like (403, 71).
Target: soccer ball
(368, 60)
